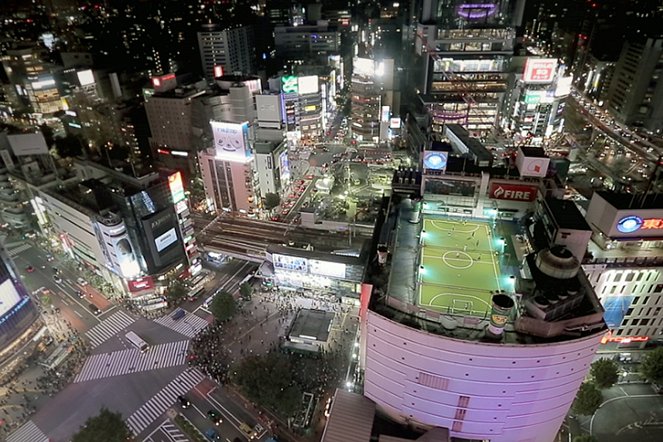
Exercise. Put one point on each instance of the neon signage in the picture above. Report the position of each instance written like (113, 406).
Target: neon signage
(633, 223)
(474, 11)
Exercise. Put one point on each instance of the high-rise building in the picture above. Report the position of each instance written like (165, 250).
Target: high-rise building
(464, 51)
(226, 50)
(372, 98)
(19, 318)
(227, 169)
(32, 79)
(635, 95)
(624, 264)
(132, 229)
(534, 105)
(306, 42)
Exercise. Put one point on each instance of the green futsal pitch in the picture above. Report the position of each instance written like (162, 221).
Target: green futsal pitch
(460, 268)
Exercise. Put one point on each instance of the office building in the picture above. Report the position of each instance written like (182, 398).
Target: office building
(131, 229)
(373, 99)
(624, 263)
(306, 42)
(20, 325)
(635, 95)
(33, 81)
(464, 53)
(227, 169)
(226, 50)
(533, 107)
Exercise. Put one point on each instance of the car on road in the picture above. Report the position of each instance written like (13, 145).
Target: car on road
(184, 402)
(212, 434)
(80, 293)
(215, 417)
(29, 269)
(81, 281)
(49, 258)
(247, 430)
(94, 309)
(57, 279)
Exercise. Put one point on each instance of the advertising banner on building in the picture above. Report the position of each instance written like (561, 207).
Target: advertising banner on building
(326, 268)
(176, 187)
(434, 160)
(308, 85)
(532, 166)
(231, 141)
(140, 284)
(512, 192)
(539, 70)
(289, 84)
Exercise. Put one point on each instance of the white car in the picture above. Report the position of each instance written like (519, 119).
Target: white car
(81, 281)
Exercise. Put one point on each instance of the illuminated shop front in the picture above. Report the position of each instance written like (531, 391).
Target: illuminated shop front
(299, 269)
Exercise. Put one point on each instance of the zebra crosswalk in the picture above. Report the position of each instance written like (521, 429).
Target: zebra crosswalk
(28, 432)
(121, 362)
(163, 400)
(108, 327)
(189, 326)
(173, 432)
(20, 249)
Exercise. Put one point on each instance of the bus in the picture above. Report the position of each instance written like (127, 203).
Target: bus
(137, 342)
(195, 292)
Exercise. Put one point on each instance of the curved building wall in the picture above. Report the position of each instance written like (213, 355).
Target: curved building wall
(478, 390)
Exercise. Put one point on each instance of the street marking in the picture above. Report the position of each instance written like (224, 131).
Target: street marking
(163, 400)
(118, 363)
(110, 326)
(29, 432)
(78, 314)
(189, 326)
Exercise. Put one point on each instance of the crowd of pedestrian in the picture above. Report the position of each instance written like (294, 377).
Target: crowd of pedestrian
(208, 353)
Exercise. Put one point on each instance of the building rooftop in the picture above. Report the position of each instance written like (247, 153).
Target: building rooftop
(533, 152)
(566, 214)
(624, 201)
(449, 270)
(350, 419)
(312, 324)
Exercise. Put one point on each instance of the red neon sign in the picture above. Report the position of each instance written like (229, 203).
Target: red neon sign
(652, 223)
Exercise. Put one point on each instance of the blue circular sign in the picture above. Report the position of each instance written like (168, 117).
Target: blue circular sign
(435, 160)
(629, 224)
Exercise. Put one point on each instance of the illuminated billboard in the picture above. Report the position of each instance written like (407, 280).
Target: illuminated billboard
(539, 70)
(385, 113)
(9, 297)
(289, 84)
(166, 239)
(176, 187)
(563, 86)
(284, 164)
(326, 268)
(363, 66)
(85, 77)
(308, 85)
(231, 141)
(292, 263)
(218, 71)
(435, 160)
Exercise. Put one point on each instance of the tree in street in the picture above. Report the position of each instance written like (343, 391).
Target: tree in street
(605, 373)
(104, 427)
(223, 306)
(652, 365)
(588, 399)
(176, 292)
(245, 291)
(272, 200)
(69, 146)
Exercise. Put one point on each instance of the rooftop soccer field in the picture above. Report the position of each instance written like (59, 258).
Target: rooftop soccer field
(460, 266)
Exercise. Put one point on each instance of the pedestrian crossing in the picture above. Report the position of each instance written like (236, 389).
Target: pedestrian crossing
(117, 363)
(20, 249)
(28, 432)
(173, 432)
(108, 327)
(189, 326)
(163, 400)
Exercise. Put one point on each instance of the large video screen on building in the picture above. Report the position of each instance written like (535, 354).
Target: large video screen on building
(9, 296)
(326, 268)
(231, 141)
(293, 263)
(166, 239)
(162, 238)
